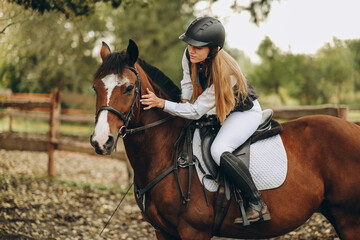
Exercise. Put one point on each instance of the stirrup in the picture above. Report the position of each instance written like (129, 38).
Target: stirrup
(261, 217)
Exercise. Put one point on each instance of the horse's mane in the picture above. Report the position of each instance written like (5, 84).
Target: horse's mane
(161, 80)
(115, 63)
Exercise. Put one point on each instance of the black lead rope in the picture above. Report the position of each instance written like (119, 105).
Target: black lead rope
(122, 199)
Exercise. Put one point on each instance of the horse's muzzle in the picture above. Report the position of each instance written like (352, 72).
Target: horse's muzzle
(103, 149)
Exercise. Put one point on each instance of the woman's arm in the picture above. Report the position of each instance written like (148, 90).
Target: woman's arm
(186, 84)
(204, 103)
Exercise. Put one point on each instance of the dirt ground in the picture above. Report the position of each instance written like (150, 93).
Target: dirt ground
(79, 201)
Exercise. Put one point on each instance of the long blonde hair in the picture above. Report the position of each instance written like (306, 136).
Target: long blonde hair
(223, 66)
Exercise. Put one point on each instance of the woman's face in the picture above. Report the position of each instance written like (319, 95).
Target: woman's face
(198, 54)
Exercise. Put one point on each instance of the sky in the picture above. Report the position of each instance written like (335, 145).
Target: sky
(298, 26)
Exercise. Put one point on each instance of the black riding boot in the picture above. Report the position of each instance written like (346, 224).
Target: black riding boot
(239, 174)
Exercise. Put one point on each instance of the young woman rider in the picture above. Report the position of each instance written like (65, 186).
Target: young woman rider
(214, 81)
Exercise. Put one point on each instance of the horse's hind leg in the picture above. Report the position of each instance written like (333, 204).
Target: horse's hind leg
(346, 224)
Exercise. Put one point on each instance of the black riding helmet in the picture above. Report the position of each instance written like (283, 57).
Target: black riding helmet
(205, 31)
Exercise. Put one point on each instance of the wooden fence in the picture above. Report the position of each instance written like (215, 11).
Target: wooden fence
(48, 107)
(51, 106)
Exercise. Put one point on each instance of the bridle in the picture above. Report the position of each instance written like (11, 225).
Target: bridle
(126, 119)
(123, 131)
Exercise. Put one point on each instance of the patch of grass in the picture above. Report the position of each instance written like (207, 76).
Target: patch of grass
(6, 180)
(354, 116)
(87, 185)
(42, 126)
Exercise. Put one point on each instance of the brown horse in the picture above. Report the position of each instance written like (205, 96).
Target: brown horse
(323, 162)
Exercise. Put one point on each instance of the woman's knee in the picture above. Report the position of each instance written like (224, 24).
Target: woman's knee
(216, 151)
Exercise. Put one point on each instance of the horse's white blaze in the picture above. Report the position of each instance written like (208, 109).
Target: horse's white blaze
(102, 128)
(111, 81)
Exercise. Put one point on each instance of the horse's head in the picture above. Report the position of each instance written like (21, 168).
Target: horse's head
(117, 87)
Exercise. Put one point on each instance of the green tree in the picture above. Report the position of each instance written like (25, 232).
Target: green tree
(337, 71)
(244, 61)
(354, 47)
(304, 81)
(156, 36)
(47, 51)
(270, 75)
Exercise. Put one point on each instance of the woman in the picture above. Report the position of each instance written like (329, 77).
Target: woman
(214, 81)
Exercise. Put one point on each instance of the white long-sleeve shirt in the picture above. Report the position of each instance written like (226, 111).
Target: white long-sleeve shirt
(204, 104)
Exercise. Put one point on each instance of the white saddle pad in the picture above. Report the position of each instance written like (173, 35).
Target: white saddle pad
(268, 163)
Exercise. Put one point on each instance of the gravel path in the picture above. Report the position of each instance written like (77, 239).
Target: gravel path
(78, 203)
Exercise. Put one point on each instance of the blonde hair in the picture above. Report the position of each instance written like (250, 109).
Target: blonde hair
(223, 66)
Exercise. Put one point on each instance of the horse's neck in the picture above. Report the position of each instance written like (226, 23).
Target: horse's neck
(151, 152)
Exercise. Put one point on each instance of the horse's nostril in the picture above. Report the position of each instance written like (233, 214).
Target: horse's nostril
(110, 141)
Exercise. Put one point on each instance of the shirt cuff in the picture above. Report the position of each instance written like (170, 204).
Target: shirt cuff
(169, 106)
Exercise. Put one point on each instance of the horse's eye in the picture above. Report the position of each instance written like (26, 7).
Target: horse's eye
(129, 89)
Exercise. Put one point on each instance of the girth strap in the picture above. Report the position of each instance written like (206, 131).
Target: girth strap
(140, 192)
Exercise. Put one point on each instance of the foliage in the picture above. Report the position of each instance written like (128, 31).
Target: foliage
(259, 9)
(57, 46)
(354, 48)
(271, 74)
(49, 50)
(156, 36)
(67, 7)
(45, 52)
(329, 76)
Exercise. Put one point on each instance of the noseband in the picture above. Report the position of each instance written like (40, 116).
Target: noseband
(126, 119)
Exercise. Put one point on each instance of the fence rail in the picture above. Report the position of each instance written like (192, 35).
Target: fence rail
(49, 108)
(289, 113)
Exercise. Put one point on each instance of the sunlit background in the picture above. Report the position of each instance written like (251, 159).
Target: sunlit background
(299, 26)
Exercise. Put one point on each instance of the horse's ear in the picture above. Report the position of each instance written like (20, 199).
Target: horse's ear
(132, 53)
(105, 51)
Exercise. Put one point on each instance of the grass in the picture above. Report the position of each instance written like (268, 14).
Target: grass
(354, 116)
(42, 126)
(5, 181)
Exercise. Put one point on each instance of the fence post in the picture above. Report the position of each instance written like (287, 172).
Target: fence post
(10, 111)
(343, 112)
(55, 109)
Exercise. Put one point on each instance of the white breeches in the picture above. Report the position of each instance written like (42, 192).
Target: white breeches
(237, 128)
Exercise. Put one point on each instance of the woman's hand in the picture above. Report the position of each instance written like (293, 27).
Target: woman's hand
(151, 100)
